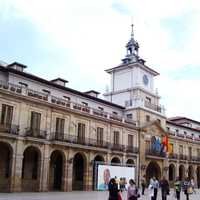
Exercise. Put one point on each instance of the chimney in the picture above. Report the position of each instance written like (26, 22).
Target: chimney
(17, 66)
(59, 81)
(92, 93)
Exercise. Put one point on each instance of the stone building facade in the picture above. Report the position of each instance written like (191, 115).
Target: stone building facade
(52, 136)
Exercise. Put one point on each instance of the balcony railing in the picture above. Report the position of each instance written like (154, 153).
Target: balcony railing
(183, 157)
(131, 149)
(37, 133)
(173, 156)
(63, 102)
(152, 106)
(92, 142)
(9, 128)
(151, 152)
(10, 87)
(38, 95)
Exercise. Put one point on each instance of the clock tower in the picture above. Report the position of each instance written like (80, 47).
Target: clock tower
(132, 86)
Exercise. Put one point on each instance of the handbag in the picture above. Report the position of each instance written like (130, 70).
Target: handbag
(189, 190)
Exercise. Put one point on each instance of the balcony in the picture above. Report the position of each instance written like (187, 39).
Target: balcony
(9, 128)
(10, 87)
(151, 152)
(132, 149)
(37, 133)
(142, 103)
(152, 106)
(60, 101)
(92, 142)
(173, 156)
(63, 103)
(100, 113)
(183, 157)
(116, 117)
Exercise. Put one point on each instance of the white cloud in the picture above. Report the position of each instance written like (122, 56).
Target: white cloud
(95, 35)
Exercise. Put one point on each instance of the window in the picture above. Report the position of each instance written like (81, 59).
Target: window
(148, 145)
(81, 132)
(198, 153)
(46, 91)
(190, 152)
(116, 137)
(159, 121)
(129, 116)
(6, 114)
(130, 140)
(23, 84)
(99, 135)
(60, 126)
(67, 98)
(177, 131)
(84, 104)
(185, 132)
(100, 108)
(147, 118)
(168, 129)
(35, 122)
(148, 99)
(114, 113)
(181, 149)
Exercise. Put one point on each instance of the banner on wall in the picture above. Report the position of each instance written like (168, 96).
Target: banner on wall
(106, 172)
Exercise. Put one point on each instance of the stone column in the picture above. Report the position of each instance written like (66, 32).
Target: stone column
(44, 170)
(16, 173)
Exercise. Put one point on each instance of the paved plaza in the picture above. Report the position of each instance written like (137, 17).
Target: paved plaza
(79, 196)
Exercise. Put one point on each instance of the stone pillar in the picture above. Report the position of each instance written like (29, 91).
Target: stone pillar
(44, 170)
(16, 173)
(64, 177)
(89, 176)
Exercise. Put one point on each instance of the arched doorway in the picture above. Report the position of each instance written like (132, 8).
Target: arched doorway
(153, 170)
(30, 169)
(5, 166)
(97, 160)
(171, 172)
(56, 170)
(181, 172)
(79, 165)
(115, 160)
(190, 172)
(198, 176)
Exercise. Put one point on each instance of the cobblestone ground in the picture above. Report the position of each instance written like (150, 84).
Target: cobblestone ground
(80, 196)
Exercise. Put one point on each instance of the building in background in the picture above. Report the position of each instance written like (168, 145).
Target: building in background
(52, 136)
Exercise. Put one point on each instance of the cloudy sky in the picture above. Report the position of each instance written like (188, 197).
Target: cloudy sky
(79, 39)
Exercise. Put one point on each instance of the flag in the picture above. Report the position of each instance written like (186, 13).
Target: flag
(165, 143)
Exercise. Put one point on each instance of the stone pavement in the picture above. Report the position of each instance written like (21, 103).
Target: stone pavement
(80, 196)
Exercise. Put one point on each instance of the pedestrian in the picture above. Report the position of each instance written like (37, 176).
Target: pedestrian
(177, 188)
(187, 188)
(164, 188)
(193, 184)
(155, 185)
(113, 190)
(132, 192)
(143, 184)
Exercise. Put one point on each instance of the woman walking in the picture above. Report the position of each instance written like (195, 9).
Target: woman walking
(187, 188)
(177, 188)
(132, 192)
(155, 185)
(113, 190)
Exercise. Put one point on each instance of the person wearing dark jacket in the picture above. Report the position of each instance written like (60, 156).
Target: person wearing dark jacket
(164, 188)
(113, 190)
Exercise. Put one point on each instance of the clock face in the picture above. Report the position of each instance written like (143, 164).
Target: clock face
(145, 79)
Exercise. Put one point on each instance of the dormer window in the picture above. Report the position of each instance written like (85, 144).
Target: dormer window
(115, 113)
(129, 116)
(185, 132)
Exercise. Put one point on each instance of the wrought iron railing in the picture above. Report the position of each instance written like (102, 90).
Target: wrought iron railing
(9, 128)
(37, 133)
